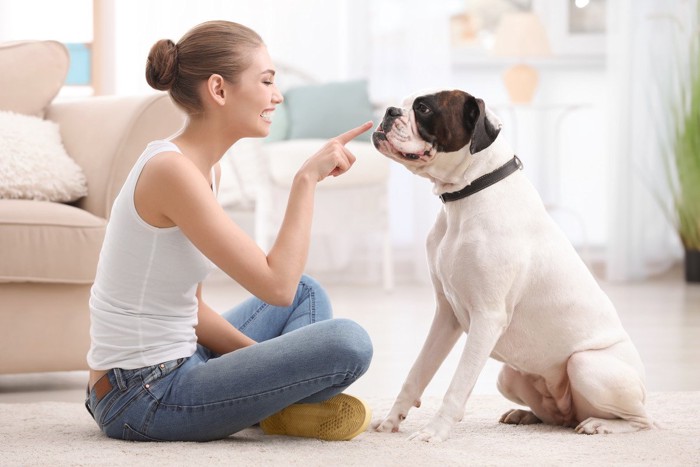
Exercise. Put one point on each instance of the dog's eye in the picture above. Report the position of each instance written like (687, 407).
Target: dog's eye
(422, 108)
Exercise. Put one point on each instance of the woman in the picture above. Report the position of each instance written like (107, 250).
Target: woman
(164, 365)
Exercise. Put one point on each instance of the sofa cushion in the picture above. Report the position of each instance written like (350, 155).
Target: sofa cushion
(34, 163)
(48, 242)
(32, 74)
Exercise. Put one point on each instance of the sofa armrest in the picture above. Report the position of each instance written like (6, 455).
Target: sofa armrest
(105, 136)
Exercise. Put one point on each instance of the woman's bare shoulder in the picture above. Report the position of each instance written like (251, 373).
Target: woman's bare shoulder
(170, 169)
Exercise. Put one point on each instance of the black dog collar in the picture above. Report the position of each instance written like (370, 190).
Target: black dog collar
(484, 181)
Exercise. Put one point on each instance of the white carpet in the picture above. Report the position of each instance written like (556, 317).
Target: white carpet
(60, 433)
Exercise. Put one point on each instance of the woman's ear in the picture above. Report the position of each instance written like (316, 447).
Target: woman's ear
(215, 89)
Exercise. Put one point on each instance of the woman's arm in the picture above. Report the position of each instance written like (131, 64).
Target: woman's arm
(291, 247)
(215, 333)
(173, 186)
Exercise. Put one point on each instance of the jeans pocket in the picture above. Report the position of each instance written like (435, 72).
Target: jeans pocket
(130, 434)
(115, 402)
(100, 409)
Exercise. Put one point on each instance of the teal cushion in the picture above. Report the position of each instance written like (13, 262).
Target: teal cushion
(327, 110)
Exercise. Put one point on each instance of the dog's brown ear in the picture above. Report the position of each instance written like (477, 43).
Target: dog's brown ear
(484, 132)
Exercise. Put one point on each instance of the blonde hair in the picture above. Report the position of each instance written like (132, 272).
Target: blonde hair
(213, 47)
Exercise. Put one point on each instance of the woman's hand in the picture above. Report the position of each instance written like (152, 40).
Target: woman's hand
(333, 158)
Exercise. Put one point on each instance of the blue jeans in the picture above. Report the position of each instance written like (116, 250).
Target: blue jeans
(301, 355)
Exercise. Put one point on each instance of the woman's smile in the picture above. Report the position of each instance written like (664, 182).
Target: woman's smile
(267, 115)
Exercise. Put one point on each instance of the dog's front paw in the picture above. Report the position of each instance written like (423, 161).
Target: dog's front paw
(389, 425)
(397, 414)
(430, 434)
(437, 431)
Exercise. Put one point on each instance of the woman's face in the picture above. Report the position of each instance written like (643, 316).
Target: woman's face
(254, 97)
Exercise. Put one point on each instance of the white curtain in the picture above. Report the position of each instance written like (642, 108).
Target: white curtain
(642, 45)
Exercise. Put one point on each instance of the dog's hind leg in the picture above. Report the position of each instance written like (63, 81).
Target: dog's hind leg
(607, 387)
(551, 405)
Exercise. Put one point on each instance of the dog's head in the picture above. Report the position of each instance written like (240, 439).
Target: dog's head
(431, 124)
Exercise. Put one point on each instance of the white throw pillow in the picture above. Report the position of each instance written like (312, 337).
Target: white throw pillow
(33, 162)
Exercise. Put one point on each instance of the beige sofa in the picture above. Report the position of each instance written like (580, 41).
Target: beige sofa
(48, 250)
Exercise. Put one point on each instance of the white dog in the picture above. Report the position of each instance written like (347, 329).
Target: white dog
(505, 274)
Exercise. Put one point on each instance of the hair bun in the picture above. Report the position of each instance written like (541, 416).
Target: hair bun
(161, 66)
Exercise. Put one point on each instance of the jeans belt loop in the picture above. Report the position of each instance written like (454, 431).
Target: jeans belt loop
(119, 378)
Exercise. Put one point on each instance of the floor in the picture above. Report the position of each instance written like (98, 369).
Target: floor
(661, 315)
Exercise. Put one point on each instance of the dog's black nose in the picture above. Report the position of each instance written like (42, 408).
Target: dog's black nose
(393, 112)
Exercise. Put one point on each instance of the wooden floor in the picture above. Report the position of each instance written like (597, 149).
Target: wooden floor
(661, 315)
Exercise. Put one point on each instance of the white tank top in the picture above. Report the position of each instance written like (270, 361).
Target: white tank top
(143, 304)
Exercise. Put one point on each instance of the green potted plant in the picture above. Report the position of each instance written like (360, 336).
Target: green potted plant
(684, 157)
